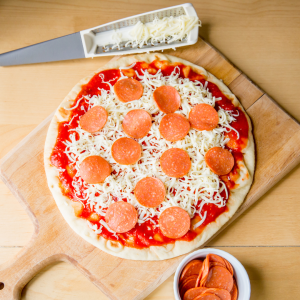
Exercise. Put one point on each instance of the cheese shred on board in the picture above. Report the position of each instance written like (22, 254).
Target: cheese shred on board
(198, 187)
(166, 30)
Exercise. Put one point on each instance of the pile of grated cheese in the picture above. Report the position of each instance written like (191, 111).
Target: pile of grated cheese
(199, 186)
(166, 30)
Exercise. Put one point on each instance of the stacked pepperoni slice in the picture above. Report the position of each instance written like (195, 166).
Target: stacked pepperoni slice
(150, 192)
(211, 279)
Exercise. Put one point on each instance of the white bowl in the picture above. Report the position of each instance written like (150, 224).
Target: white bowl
(240, 274)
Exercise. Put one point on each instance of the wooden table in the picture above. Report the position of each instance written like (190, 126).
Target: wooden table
(261, 38)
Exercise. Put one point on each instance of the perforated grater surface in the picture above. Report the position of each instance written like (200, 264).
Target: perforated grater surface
(98, 41)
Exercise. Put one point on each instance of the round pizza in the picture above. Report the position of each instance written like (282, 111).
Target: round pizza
(149, 156)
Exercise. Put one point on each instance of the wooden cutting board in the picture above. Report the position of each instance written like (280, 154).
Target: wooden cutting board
(277, 138)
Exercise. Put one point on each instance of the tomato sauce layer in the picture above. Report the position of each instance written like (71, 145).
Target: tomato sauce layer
(146, 235)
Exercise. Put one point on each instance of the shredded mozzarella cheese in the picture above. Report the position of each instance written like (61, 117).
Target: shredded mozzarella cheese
(202, 220)
(166, 30)
(198, 187)
(95, 227)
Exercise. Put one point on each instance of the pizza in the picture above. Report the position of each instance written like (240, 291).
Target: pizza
(149, 156)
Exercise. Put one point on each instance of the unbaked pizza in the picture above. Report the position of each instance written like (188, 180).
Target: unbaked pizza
(149, 157)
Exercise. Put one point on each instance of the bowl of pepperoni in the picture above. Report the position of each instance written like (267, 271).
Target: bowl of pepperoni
(211, 274)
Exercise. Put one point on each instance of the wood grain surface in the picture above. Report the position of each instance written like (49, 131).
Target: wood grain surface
(259, 37)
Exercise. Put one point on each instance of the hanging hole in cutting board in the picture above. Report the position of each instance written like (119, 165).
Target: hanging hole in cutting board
(1, 286)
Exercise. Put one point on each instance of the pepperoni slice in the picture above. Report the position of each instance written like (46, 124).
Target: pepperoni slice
(203, 117)
(128, 89)
(216, 260)
(167, 99)
(221, 293)
(137, 123)
(187, 279)
(174, 222)
(228, 266)
(219, 160)
(192, 268)
(191, 294)
(126, 151)
(203, 274)
(234, 292)
(220, 278)
(121, 216)
(94, 119)
(207, 296)
(150, 192)
(94, 169)
(174, 127)
(189, 284)
(216, 263)
(175, 162)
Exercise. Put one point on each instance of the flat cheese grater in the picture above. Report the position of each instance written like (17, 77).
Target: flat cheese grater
(98, 41)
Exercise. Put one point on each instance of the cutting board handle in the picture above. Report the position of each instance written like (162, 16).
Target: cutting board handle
(15, 274)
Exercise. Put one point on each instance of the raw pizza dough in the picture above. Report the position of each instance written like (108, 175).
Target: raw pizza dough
(79, 225)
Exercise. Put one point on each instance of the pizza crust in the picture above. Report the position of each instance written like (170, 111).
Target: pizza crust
(79, 225)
